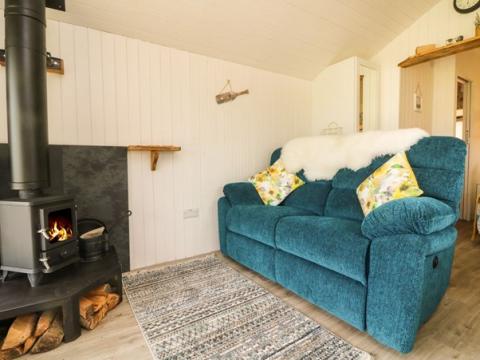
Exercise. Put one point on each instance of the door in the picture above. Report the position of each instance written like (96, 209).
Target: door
(462, 131)
(367, 99)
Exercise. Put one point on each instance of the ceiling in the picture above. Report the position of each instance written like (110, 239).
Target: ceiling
(293, 37)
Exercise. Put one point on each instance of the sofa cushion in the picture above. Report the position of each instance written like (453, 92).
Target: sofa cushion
(393, 180)
(275, 183)
(258, 222)
(336, 244)
(311, 197)
(343, 203)
(242, 193)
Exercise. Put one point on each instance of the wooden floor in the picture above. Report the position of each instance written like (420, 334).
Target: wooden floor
(452, 333)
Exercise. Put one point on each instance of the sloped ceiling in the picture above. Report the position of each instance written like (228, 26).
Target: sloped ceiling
(293, 37)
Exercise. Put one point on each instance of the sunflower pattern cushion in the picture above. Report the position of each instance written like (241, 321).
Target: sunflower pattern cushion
(274, 184)
(393, 180)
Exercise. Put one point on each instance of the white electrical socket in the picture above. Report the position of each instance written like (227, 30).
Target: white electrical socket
(190, 213)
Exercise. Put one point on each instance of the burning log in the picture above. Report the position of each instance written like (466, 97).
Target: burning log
(60, 232)
(52, 338)
(21, 329)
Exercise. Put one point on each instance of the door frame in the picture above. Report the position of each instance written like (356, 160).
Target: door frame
(466, 206)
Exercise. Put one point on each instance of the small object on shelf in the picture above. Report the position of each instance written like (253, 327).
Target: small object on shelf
(424, 49)
(451, 41)
(231, 95)
(155, 150)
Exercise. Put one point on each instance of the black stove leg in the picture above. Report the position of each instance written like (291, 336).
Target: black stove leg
(71, 316)
(35, 279)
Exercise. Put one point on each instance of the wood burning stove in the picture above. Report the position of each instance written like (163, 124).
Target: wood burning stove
(38, 233)
(38, 236)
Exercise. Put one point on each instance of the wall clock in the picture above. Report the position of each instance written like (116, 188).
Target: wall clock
(466, 6)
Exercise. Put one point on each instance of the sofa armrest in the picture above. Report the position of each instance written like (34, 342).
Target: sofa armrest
(222, 210)
(416, 215)
(242, 193)
(406, 284)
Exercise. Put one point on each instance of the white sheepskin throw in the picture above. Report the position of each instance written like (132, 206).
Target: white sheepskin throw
(322, 156)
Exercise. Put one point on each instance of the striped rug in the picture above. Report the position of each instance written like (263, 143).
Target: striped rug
(203, 309)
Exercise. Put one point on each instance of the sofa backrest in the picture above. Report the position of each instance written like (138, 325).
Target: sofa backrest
(437, 161)
(311, 197)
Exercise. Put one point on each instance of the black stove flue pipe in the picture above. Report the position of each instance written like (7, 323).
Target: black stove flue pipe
(26, 58)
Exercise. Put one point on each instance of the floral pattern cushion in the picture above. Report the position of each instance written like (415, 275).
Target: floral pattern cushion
(274, 184)
(393, 180)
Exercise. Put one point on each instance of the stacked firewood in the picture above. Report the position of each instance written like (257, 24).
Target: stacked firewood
(41, 332)
(95, 305)
(32, 332)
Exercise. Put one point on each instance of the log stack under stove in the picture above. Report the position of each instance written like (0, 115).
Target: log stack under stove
(40, 332)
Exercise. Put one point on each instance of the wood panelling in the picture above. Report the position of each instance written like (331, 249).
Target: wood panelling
(122, 91)
(416, 78)
(294, 37)
(444, 96)
(436, 82)
(435, 26)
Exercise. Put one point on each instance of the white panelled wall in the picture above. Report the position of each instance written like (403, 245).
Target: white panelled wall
(121, 91)
(435, 26)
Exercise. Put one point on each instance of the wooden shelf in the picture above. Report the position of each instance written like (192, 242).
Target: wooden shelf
(442, 51)
(155, 150)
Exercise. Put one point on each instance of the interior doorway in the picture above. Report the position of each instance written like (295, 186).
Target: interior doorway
(367, 98)
(462, 131)
(361, 103)
(450, 106)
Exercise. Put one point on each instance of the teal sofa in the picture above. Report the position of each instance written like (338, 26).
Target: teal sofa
(384, 273)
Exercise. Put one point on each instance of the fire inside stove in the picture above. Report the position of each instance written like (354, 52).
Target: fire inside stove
(60, 227)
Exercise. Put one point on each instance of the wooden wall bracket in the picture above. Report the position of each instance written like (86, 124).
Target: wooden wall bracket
(54, 65)
(155, 151)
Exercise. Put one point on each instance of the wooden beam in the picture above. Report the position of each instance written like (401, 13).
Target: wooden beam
(442, 51)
